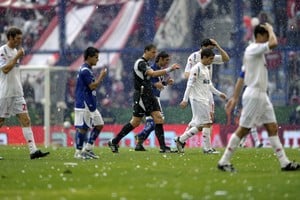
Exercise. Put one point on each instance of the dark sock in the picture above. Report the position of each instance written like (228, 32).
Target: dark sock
(93, 136)
(79, 139)
(125, 130)
(149, 127)
(159, 132)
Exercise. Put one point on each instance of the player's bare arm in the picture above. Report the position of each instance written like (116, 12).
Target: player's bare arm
(100, 78)
(162, 72)
(225, 56)
(272, 37)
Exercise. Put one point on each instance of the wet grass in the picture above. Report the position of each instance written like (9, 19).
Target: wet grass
(145, 175)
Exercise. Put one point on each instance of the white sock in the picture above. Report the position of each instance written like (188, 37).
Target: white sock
(186, 135)
(206, 138)
(27, 132)
(279, 151)
(234, 141)
(254, 135)
(243, 141)
(88, 146)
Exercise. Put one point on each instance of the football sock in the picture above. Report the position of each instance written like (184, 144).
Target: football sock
(279, 151)
(125, 130)
(28, 135)
(159, 132)
(186, 135)
(206, 138)
(93, 136)
(149, 127)
(254, 135)
(79, 139)
(231, 146)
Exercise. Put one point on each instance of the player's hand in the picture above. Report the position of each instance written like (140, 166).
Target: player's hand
(175, 66)
(170, 81)
(223, 96)
(21, 52)
(215, 43)
(183, 104)
(103, 73)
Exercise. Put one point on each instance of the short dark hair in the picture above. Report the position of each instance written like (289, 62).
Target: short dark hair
(149, 47)
(161, 54)
(207, 53)
(259, 29)
(13, 32)
(206, 42)
(90, 51)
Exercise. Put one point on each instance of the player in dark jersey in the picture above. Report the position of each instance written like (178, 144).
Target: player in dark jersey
(158, 83)
(86, 113)
(144, 101)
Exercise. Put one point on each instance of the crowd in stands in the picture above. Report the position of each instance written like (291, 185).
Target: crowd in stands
(117, 90)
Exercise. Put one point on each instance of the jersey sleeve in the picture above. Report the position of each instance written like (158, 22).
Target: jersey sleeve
(189, 64)
(143, 67)
(218, 60)
(192, 78)
(87, 77)
(3, 58)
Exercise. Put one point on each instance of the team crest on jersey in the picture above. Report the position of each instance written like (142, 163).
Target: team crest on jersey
(94, 93)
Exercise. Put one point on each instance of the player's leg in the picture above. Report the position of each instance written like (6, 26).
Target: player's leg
(1, 124)
(144, 134)
(98, 123)
(254, 134)
(235, 139)
(19, 108)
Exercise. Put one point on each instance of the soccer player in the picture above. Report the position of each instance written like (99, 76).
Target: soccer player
(232, 102)
(198, 90)
(158, 84)
(193, 59)
(12, 100)
(87, 115)
(257, 107)
(144, 101)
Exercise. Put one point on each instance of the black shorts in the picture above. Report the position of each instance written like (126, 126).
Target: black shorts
(144, 104)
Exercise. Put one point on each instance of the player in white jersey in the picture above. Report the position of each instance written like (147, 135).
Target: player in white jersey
(257, 108)
(195, 58)
(232, 102)
(198, 91)
(12, 101)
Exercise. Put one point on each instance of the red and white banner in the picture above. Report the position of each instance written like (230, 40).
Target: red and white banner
(17, 4)
(289, 136)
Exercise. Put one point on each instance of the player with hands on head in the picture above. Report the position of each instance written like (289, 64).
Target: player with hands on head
(219, 59)
(257, 107)
(12, 102)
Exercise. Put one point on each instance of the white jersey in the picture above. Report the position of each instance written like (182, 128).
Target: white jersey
(256, 73)
(199, 86)
(195, 57)
(10, 83)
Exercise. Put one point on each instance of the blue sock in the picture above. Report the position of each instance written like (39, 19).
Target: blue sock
(149, 127)
(79, 140)
(93, 136)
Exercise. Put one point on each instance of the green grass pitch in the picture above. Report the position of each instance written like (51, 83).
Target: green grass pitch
(145, 175)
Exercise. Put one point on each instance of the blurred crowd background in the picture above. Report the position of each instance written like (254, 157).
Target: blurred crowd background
(206, 19)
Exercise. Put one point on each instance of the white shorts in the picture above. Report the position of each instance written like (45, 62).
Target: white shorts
(12, 106)
(201, 113)
(87, 119)
(257, 109)
(211, 108)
